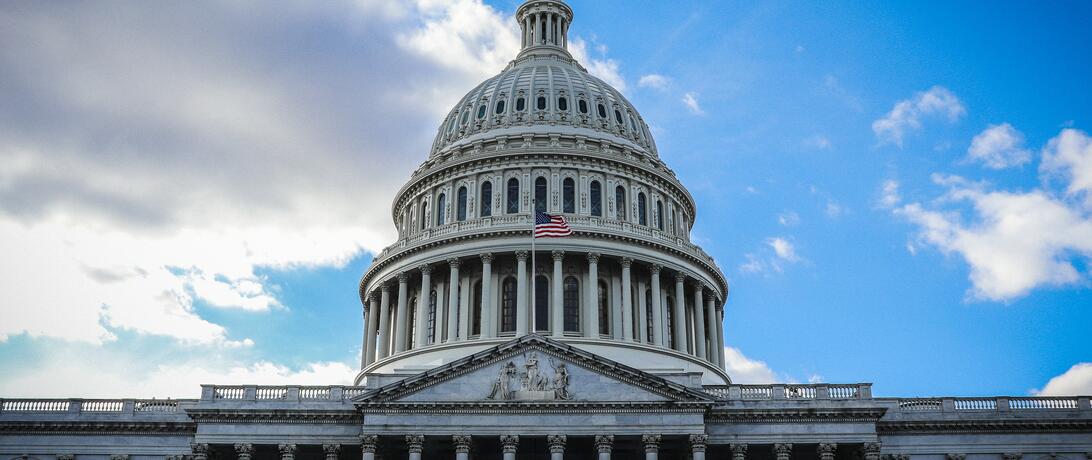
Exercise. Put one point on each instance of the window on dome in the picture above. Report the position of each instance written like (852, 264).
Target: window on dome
(596, 192)
(441, 204)
(540, 194)
(460, 204)
(508, 305)
(642, 209)
(582, 105)
(602, 109)
(568, 195)
(466, 117)
(633, 123)
(562, 104)
(660, 215)
(521, 104)
(500, 107)
(481, 112)
(618, 117)
(571, 304)
(451, 126)
(620, 201)
(542, 304)
(604, 309)
(541, 104)
(513, 196)
(486, 199)
(424, 215)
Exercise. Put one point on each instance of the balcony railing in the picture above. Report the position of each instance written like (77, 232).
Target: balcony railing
(998, 404)
(93, 406)
(287, 393)
(819, 391)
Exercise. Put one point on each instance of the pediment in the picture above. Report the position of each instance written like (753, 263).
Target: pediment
(533, 370)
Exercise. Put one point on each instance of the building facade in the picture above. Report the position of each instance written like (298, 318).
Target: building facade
(479, 343)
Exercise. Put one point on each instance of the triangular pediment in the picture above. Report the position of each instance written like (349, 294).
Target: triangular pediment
(533, 370)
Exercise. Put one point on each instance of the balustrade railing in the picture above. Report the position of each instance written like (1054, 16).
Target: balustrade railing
(93, 406)
(287, 393)
(790, 391)
(998, 404)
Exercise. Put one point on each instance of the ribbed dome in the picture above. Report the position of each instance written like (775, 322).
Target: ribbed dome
(546, 92)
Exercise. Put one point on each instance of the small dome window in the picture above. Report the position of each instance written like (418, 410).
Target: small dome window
(451, 126)
(521, 104)
(582, 105)
(562, 104)
(541, 104)
(618, 117)
(500, 107)
(466, 116)
(602, 111)
(481, 112)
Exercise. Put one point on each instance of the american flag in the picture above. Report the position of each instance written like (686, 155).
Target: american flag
(548, 225)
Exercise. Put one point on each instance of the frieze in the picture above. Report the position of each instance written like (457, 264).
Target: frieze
(531, 384)
(308, 417)
(987, 426)
(804, 415)
(115, 428)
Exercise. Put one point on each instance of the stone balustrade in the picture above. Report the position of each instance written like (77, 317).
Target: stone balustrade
(819, 391)
(996, 405)
(288, 393)
(134, 407)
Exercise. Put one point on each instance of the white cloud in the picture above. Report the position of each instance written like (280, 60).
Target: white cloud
(1069, 156)
(656, 81)
(1077, 381)
(783, 248)
(889, 194)
(744, 370)
(835, 209)
(772, 258)
(788, 219)
(998, 147)
(907, 114)
(818, 142)
(691, 102)
(608, 70)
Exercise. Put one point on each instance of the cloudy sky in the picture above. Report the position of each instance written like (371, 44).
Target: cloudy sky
(899, 193)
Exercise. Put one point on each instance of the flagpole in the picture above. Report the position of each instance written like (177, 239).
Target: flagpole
(533, 308)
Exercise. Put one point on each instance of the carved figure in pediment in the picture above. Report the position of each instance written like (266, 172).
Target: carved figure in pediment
(561, 382)
(501, 389)
(533, 380)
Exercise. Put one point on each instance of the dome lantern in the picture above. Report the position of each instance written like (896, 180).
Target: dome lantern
(544, 26)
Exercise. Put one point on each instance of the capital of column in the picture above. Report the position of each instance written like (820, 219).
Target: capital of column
(655, 269)
(200, 450)
(244, 450)
(826, 450)
(73, 456)
(368, 442)
(509, 443)
(739, 451)
(651, 442)
(626, 262)
(331, 450)
(403, 277)
(521, 256)
(782, 450)
(425, 269)
(1018, 456)
(288, 451)
(557, 255)
(462, 443)
(593, 257)
(698, 442)
(556, 443)
(119, 457)
(385, 288)
(896, 457)
(604, 443)
(956, 456)
(871, 450)
(680, 277)
(415, 443)
(454, 262)
(487, 258)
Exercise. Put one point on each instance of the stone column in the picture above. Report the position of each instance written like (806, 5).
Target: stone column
(200, 451)
(699, 321)
(697, 446)
(462, 446)
(593, 296)
(509, 443)
(383, 345)
(718, 339)
(331, 451)
(453, 300)
(652, 445)
(604, 443)
(557, 446)
(679, 325)
(642, 314)
(521, 293)
(657, 310)
(627, 300)
(549, 28)
(782, 451)
(558, 317)
(368, 444)
(415, 443)
(489, 316)
(401, 316)
(826, 450)
(739, 451)
(421, 316)
(288, 451)
(370, 329)
(243, 451)
(871, 451)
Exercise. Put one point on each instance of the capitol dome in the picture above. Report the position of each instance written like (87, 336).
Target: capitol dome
(545, 136)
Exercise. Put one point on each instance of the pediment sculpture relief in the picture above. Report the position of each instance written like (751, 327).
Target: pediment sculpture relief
(531, 384)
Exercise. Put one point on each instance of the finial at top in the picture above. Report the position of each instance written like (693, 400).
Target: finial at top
(544, 23)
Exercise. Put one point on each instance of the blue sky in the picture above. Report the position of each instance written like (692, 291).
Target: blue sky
(899, 193)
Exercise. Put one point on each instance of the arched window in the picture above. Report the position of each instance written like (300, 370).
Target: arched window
(508, 305)
(540, 194)
(542, 304)
(649, 326)
(571, 304)
(466, 117)
(500, 107)
(583, 106)
(541, 103)
(460, 204)
(604, 309)
(618, 118)
(562, 104)
(620, 201)
(481, 112)
(486, 199)
(441, 205)
(431, 317)
(660, 215)
(670, 326)
(602, 109)
(513, 196)
(424, 215)
(476, 312)
(568, 195)
(596, 199)
(521, 104)
(642, 209)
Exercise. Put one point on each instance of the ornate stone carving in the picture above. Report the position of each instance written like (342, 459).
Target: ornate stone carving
(403, 277)
(739, 451)
(651, 442)
(956, 456)
(680, 277)
(288, 451)
(698, 442)
(556, 443)
(604, 443)
(826, 450)
(119, 457)
(331, 451)
(871, 450)
(626, 262)
(200, 451)
(782, 451)
(533, 384)
(454, 262)
(509, 443)
(521, 256)
(461, 443)
(593, 257)
(68, 457)
(487, 258)
(244, 450)
(415, 443)
(1016, 456)
(425, 269)
(655, 269)
(896, 457)
(368, 443)
(557, 255)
